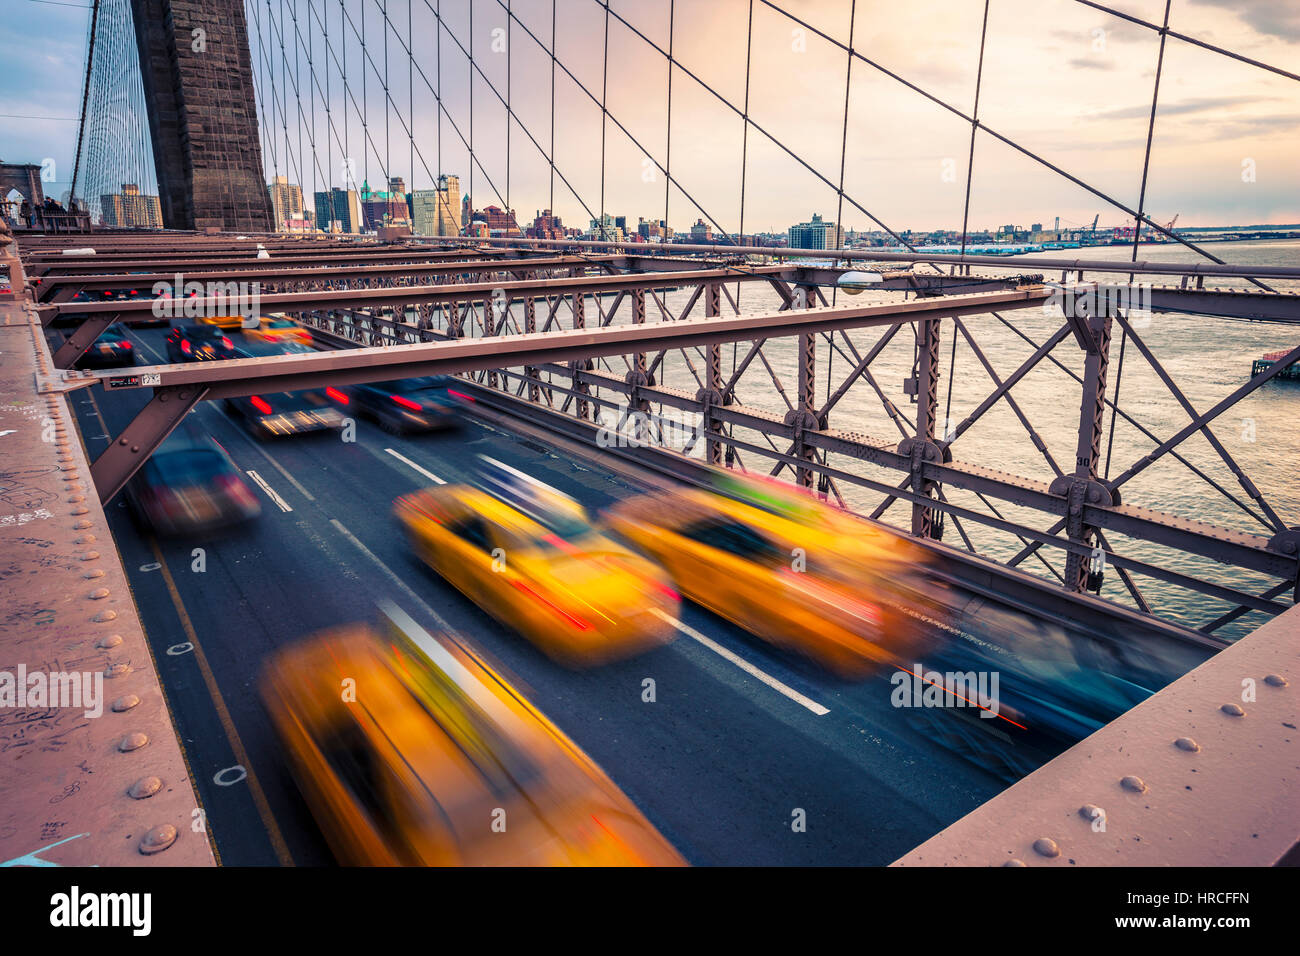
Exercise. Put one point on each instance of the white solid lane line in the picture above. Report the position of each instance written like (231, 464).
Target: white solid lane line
(139, 340)
(746, 666)
(406, 461)
(270, 492)
(392, 575)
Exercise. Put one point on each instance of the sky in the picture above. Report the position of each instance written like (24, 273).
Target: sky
(1067, 82)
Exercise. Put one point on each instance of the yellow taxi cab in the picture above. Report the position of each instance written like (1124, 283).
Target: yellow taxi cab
(790, 569)
(278, 328)
(411, 751)
(222, 321)
(540, 566)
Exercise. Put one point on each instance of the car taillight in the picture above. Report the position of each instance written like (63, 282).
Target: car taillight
(338, 396)
(185, 346)
(577, 622)
(232, 486)
(166, 499)
(462, 395)
(124, 344)
(405, 402)
(227, 343)
(260, 404)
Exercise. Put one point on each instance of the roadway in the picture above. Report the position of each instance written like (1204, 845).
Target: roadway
(719, 762)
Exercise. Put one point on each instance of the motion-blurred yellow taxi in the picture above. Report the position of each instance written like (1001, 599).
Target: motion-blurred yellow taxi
(222, 321)
(278, 328)
(539, 566)
(410, 750)
(790, 569)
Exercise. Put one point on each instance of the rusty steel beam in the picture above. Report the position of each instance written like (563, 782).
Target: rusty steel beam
(90, 265)
(416, 295)
(61, 289)
(251, 250)
(889, 255)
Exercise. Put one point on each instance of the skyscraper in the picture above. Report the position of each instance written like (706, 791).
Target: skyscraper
(130, 208)
(338, 211)
(448, 219)
(816, 234)
(286, 203)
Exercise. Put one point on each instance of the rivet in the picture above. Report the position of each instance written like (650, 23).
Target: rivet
(1045, 847)
(125, 703)
(94, 573)
(1091, 812)
(86, 539)
(1188, 744)
(1014, 863)
(105, 616)
(1135, 784)
(109, 640)
(145, 787)
(90, 556)
(117, 670)
(133, 741)
(1233, 710)
(82, 524)
(80, 510)
(99, 594)
(158, 839)
(1275, 680)
(75, 498)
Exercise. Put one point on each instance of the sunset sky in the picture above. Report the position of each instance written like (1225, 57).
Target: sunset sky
(1067, 81)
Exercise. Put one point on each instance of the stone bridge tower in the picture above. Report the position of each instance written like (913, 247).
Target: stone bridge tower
(198, 84)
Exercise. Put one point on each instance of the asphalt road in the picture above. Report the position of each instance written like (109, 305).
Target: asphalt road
(720, 762)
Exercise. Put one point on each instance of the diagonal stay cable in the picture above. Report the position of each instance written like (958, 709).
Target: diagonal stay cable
(957, 111)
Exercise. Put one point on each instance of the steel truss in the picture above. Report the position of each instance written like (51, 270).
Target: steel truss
(545, 332)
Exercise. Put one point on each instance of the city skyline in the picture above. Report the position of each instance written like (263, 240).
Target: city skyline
(1077, 93)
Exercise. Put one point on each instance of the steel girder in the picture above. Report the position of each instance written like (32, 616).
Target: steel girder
(292, 372)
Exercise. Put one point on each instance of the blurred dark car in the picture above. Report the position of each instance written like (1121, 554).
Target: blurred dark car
(403, 405)
(1050, 688)
(111, 350)
(285, 413)
(190, 485)
(199, 343)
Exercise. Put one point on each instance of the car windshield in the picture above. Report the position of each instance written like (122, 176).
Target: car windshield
(114, 333)
(189, 467)
(282, 324)
(558, 521)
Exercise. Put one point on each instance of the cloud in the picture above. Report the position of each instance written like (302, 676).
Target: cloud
(1279, 18)
(1207, 104)
(1092, 63)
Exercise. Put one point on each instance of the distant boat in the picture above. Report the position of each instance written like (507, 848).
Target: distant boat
(1272, 358)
